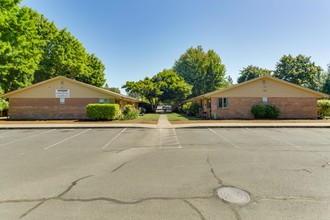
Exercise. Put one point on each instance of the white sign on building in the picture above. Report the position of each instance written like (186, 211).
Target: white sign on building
(62, 93)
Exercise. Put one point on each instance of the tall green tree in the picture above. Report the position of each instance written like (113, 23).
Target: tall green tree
(299, 70)
(252, 72)
(19, 46)
(144, 89)
(95, 72)
(203, 70)
(326, 85)
(32, 49)
(64, 56)
(173, 87)
(166, 87)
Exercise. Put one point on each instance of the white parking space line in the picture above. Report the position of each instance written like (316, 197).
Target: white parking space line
(177, 140)
(27, 137)
(105, 146)
(219, 135)
(269, 136)
(53, 145)
(168, 139)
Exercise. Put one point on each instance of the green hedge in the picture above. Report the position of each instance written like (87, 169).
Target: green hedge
(103, 111)
(268, 111)
(130, 112)
(323, 108)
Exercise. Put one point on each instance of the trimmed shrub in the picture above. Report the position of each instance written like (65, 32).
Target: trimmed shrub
(191, 108)
(130, 112)
(258, 111)
(268, 111)
(323, 108)
(4, 106)
(272, 111)
(103, 111)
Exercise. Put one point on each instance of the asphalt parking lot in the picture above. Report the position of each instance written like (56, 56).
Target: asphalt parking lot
(136, 173)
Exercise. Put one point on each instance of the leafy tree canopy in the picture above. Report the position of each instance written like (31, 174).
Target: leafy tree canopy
(112, 89)
(203, 70)
(19, 47)
(166, 86)
(172, 86)
(32, 49)
(299, 70)
(326, 85)
(252, 72)
(144, 89)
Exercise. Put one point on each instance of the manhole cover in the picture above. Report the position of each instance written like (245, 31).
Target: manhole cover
(233, 195)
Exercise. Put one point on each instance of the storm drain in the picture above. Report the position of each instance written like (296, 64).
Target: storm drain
(233, 195)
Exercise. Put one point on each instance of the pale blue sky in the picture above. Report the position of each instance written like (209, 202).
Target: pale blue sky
(138, 38)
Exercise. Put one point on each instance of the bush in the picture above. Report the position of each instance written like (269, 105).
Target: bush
(103, 111)
(130, 112)
(191, 108)
(4, 105)
(323, 108)
(268, 111)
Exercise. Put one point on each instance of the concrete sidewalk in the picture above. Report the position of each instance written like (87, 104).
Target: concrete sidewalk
(164, 123)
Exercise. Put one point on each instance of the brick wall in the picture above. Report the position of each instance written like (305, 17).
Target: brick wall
(296, 107)
(240, 107)
(49, 108)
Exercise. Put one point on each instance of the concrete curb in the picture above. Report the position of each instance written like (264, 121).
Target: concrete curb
(255, 126)
(70, 126)
(181, 126)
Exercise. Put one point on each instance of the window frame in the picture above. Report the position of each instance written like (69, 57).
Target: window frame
(265, 100)
(223, 103)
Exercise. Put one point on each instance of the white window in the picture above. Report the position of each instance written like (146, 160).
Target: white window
(264, 99)
(104, 101)
(223, 103)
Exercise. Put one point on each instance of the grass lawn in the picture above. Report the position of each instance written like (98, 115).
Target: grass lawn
(180, 117)
(149, 117)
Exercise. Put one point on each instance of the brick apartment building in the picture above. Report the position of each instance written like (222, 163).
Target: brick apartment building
(60, 98)
(236, 101)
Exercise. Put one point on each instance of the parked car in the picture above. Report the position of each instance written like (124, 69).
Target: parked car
(167, 108)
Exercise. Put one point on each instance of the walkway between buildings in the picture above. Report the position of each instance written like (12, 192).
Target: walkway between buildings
(163, 122)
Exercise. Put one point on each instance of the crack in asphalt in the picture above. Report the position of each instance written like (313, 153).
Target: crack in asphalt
(119, 167)
(22, 200)
(304, 170)
(195, 209)
(31, 209)
(42, 201)
(293, 198)
(122, 202)
(212, 171)
(71, 186)
(237, 215)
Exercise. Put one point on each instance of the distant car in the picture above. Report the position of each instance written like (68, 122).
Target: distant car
(159, 108)
(167, 108)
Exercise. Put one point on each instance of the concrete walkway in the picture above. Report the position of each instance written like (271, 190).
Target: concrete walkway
(163, 122)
